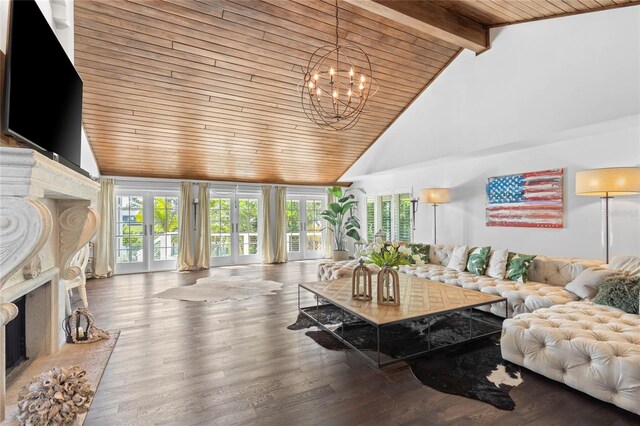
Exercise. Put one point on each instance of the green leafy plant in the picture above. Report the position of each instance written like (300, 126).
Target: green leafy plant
(340, 218)
(389, 254)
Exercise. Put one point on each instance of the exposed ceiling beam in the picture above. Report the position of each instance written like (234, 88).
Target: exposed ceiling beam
(431, 19)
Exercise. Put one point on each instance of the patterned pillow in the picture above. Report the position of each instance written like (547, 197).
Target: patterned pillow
(478, 260)
(518, 267)
(421, 251)
(620, 292)
(458, 260)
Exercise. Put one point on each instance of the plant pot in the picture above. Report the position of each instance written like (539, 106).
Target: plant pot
(339, 255)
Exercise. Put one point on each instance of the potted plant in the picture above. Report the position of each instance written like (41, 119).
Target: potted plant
(341, 221)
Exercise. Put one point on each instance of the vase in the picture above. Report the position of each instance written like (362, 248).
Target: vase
(388, 286)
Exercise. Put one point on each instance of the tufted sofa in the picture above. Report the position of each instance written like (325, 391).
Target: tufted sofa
(547, 278)
(592, 348)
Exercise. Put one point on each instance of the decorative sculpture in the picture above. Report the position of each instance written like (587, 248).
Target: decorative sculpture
(55, 397)
(78, 327)
(388, 286)
(361, 282)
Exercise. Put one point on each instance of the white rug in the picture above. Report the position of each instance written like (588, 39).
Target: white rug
(220, 288)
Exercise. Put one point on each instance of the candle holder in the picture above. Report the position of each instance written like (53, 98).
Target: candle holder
(76, 326)
(361, 282)
(388, 286)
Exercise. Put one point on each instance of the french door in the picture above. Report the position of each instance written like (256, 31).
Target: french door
(233, 221)
(146, 231)
(304, 227)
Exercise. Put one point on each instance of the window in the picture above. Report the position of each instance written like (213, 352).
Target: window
(385, 215)
(165, 228)
(293, 225)
(129, 228)
(248, 226)
(371, 219)
(220, 225)
(314, 225)
(402, 217)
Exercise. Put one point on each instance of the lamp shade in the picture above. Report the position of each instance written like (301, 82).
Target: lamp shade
(435, 195)
(609, 182)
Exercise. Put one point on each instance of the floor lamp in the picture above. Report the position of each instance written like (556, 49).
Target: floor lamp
(435, 197)
(606, 184)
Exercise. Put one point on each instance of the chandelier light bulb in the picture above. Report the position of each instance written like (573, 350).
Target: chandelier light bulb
(349, 93)
(335, 93)
(318, 92)
(310, 85)
(362, 78)
(315, 77)
(351, 72)
(332, 71)
(361, 86)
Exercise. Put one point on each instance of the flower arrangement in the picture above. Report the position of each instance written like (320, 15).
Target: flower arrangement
(388, 254)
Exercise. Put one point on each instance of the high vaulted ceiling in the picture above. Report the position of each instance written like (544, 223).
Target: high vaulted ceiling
(208, 89)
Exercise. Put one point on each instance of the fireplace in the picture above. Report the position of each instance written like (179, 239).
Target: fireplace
(46, 217)
(15, 337)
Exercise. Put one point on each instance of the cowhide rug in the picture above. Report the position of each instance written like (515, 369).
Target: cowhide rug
(221, 288)
(475, 369)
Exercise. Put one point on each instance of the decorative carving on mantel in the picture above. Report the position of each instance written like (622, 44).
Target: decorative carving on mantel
(8, 311)
(32, 269)
(78, 225)
(25, 226)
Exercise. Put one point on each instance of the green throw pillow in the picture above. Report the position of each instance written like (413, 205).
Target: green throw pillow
(518, 267)
(478, 260)
(620, 292)
(421, 250)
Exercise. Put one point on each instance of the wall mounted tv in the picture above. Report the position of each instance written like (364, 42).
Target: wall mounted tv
(43, 91)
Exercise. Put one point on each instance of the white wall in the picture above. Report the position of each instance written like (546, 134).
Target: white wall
(538, 79)
(463, 220)
(63, 28)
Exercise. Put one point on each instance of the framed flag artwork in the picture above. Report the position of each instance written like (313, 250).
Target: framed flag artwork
(533, 200)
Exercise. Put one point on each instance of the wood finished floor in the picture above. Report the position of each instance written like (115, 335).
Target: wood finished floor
(236, 363)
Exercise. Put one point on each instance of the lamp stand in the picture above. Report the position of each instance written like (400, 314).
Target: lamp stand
(606, 225)
(414, 210)
(435, 235)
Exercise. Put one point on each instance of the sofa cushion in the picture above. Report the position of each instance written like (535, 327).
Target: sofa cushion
(478, 260)
(587, 282)
(419, 253)
(518, 267)
(559, 270)
(629, 264)
(620, 292)
(497, 266)
(440, 254)
(458, 260)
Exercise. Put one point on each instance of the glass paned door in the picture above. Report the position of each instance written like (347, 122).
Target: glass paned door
(304, 228)
(146, 231)
(247, 229)
(234, 219)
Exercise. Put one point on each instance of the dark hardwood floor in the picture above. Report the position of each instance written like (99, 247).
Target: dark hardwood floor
(183, 363)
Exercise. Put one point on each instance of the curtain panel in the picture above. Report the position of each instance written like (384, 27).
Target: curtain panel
(104, 259)
(327, 234)
(266, 224)
(203, 239)
(185, 249)
(280, 240)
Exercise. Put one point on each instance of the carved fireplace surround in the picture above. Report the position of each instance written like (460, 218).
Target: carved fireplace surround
(46, 216)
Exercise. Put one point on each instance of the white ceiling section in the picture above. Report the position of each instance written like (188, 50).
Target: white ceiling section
(538, 79)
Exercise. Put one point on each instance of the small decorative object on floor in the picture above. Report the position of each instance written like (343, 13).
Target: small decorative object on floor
(55, 397)
(78, 327)
(388, 286)
(361, 282)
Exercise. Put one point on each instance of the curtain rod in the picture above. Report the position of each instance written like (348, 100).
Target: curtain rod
(211, 182)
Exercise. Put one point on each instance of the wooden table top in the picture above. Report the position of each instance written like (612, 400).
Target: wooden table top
(419, 297)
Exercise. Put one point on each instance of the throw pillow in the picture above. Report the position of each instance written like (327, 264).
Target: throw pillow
(458, 260)
(586, 284)
(419, 254)
(620, 292)
(629, 264)
(478, 260)
(497, 267)
(518, 267)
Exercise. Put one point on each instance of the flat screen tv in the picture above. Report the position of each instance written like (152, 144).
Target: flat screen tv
(43, 91)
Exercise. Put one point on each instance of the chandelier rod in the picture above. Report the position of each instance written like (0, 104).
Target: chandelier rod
(336, 24)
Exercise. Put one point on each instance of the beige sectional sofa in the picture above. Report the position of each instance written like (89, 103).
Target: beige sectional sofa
(547, 278)
(592, 348)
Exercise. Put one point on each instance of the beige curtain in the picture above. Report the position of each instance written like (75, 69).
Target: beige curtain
(280, 240)
(265, 230)
(185, 250)
(203, 240)
(327, 234)
(103, 258)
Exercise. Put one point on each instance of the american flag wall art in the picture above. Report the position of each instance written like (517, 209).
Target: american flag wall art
(533, 200)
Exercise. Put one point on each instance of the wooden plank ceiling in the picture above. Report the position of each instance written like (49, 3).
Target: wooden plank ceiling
(208, 89)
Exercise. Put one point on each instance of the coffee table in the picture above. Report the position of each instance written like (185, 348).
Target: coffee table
(419, 299)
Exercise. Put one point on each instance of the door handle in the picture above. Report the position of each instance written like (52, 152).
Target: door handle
(144, 228)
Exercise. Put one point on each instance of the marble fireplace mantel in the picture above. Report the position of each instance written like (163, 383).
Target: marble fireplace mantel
(46, 216)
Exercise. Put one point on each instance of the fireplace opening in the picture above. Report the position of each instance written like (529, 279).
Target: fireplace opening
(15, 337)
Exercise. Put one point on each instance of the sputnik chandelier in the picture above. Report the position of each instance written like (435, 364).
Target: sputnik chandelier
(337, 84)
